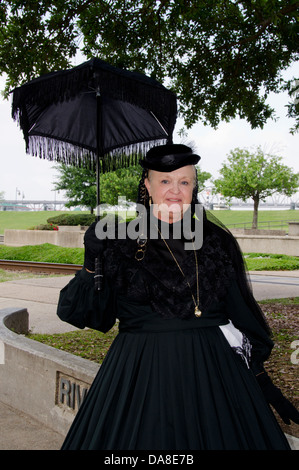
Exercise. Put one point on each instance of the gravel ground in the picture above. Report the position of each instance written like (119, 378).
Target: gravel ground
(283, 365)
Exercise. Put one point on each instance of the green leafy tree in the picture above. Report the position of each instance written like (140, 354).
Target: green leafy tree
(255, 175)
(221, 57)
(79, 185)
(202, 177)
(120, 183)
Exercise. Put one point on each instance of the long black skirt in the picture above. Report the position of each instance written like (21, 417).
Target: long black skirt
(179, 390)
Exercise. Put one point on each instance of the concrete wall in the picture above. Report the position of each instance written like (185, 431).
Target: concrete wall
(250, 242)
(254, 231)
(37, 379)
(68, 238)
(294, 229)
(273, 245)
(269, 241)
(29, 237)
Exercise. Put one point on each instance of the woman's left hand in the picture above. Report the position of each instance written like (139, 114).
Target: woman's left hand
(273, 395)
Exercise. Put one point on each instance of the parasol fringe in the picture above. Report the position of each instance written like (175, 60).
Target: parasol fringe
(92, 75)
(69, 154)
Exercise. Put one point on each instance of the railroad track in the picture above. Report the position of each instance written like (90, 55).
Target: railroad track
(35, 266)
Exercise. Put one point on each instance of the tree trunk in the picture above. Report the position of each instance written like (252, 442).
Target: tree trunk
(256, 201)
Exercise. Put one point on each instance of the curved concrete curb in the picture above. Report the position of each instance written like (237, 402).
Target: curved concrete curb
(44, 382)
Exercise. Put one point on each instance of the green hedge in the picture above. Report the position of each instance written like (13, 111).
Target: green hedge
(72, 219)
(46, 227)
(77, 219)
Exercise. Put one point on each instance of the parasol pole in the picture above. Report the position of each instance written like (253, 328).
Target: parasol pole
(98, 166)
(98, 261)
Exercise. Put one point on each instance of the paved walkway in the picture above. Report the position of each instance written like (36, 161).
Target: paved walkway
(40, 296)
(19, 431)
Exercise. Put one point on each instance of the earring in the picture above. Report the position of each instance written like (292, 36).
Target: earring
(142, 239)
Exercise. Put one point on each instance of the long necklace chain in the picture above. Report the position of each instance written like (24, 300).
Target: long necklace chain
(197, 311)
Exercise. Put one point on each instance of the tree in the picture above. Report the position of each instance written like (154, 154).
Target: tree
(79, 185)
(221, 57)
(120, 183)
(202, 177)
(255, 175)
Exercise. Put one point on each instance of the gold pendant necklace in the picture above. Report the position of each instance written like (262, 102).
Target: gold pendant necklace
(197, 311)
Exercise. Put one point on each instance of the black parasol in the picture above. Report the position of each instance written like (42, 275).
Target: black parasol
(94, 115)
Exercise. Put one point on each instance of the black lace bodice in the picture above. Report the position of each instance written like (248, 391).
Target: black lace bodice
(158, 281)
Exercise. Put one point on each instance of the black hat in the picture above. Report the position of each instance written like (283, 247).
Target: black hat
(169, 157)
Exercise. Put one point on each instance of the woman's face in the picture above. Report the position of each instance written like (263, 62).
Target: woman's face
(171, 192)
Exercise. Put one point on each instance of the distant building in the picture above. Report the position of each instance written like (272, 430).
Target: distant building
(13, 207)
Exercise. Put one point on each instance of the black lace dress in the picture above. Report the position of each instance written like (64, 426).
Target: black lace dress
(171, 380)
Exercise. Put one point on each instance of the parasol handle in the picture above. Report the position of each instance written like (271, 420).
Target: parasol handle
(98, 275)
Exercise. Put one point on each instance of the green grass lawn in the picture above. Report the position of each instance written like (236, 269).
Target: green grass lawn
(27, 220)
(15, 275)
(57, 254)
(232, 217)
(46, 253)
(270, 262)
(24, 220)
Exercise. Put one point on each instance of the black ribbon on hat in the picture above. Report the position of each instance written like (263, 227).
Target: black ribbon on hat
(163, 163)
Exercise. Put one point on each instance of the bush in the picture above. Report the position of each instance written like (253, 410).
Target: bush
(72, 219)
(46, 227)
(79, 219)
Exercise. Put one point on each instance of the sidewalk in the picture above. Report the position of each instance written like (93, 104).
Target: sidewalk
(19, 431)
(40, 297)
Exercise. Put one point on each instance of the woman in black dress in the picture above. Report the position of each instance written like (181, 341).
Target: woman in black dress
(186, 370)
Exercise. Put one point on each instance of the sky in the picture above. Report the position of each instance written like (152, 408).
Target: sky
(28, 177)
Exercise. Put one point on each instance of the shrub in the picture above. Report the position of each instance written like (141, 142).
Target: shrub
(72, 219)
(78, 219)
(46, 227)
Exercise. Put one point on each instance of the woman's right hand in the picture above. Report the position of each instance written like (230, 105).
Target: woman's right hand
(94, 247)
